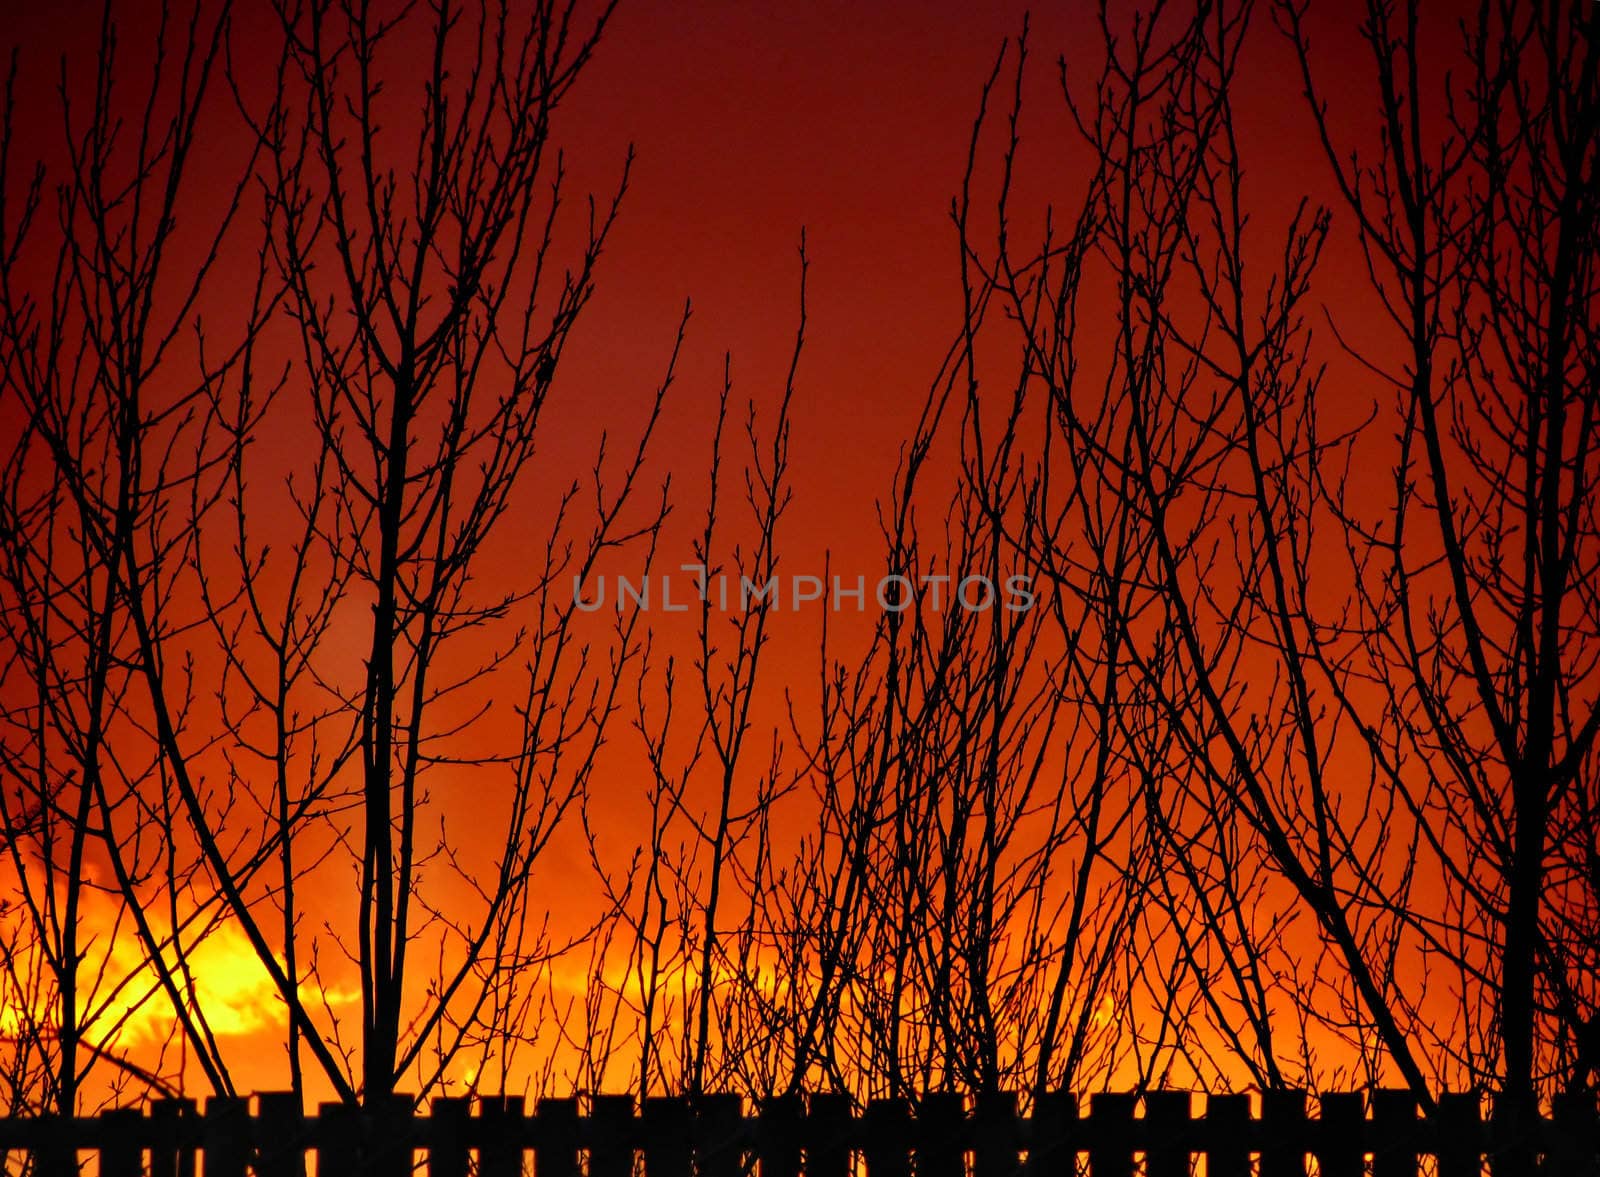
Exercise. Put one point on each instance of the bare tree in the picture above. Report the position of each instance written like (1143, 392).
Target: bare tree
(418, 247)
(1477, 216)
(1203, 445)
(180, 715)
(695, 971)
(1374, 714)
(105, 391)
(1283, 775)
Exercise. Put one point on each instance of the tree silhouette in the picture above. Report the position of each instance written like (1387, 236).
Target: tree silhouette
(1284, 777)
(408, 257)
(1369, 707)
(93, 311)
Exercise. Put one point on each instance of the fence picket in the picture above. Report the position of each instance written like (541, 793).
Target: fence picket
(280, 1135)
(995, 1144)
(54, 1156)
(556, 1153)
(500, 1153)
(1227, 1123)
(1111, 1122)
(447, 1142)
(718, 1135)
(1167, 1117)
(1457, 1125)
(779, 1135)
(611, 1136)
(388, 1135)
(668, 1147)
(339, 1130)
(885, 1127)
(1394, 1134)
(1053, 1142)
(828, 1136)
(169, 1155)
(938, 1135)
(1513, 1144)
(226, 1134)
(1283, 1134)
(120, 1151)
(1575, 1146)
(1341, 1134)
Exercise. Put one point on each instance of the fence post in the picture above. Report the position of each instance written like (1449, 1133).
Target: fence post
(1283, 1134)
(555, 1150)
(1167, 1140)
(120, 1152)
(374, 1140)
(667, 1146)
(611, 1136)
(1111, 1133)
(1394, 1134)
(500, 1144)
(1053, 1134)
(389, 1135)
(226, 1135)
(718, 1135)
(1513, 1135)
(447, 1136)
(1227, 1129)
(338, 1135)
(1340, 1134)
(1574, 1146)
(885, 1125)
(280, 1135)
(940, 1116)
(995, 1148)
(52, 1153)
(171, 1153)
(778, 1135)
(1457, 1130)
(829, 1127)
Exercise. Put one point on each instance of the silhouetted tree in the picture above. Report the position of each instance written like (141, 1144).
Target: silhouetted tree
(684, 971)
(1476, 602)
(1285, 778)
(1366, 702)
(182, 713)
(103, 396)
(412, 217)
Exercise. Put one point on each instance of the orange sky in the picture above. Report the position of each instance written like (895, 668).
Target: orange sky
(752, 121)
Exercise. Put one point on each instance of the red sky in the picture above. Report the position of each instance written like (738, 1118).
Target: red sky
(753, 120)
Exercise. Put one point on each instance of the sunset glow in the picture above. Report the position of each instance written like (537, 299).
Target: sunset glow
(877, 549)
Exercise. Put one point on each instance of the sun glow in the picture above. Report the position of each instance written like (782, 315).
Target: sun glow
(217, 971)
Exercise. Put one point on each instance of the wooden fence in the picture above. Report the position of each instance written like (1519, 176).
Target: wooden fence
(1105, 1135)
